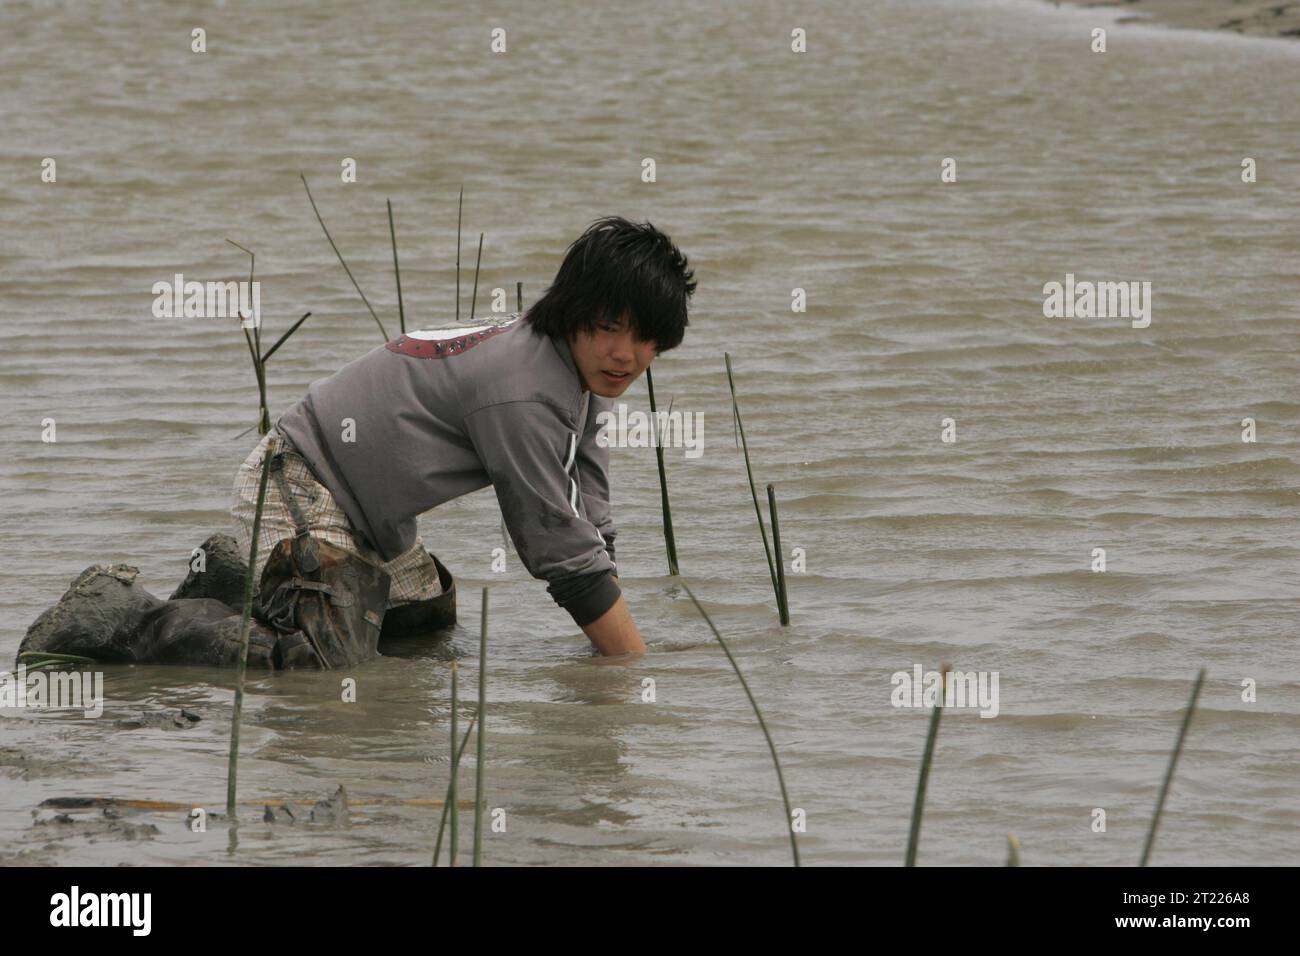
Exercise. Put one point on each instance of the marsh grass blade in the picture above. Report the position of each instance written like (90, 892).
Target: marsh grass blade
(1169, 771)
(762, 724)
(918, 803)
(749, 472)
(342, 261)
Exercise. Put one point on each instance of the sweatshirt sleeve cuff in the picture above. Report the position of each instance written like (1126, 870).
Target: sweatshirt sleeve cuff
(590, 599)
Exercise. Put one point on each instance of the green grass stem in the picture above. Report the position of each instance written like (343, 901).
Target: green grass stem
(479, 801)
(776, 762)
(918, 804)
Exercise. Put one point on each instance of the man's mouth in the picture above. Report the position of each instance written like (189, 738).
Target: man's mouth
(615, 376)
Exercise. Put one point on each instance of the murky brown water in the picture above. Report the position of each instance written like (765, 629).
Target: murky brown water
(775, 171)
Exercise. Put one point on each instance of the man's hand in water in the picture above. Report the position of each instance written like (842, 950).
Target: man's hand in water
(614, 634)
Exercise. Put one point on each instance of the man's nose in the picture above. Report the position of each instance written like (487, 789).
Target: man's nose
(623, 348)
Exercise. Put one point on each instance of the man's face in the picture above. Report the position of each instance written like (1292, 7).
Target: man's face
(608, 350)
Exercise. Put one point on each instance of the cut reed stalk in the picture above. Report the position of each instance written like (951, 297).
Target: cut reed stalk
(252, 269)
(34, 660)
(245, 620)
(782, 598)
(263, 416)
(735, 408)
(460, 205)
(519, 297)
(245, 623)
(477, 262)
(255, 341)
(397, 271)
(284, 338)
(451, 799)
(1169, 771)
(776, 762)
(442, 819)
(482, 722)
(263, 424)
(670, 543)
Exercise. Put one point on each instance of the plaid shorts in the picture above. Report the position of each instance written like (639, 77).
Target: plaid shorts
(414, 575)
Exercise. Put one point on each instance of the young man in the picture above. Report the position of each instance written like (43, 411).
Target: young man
(416, 422)
(436, 414)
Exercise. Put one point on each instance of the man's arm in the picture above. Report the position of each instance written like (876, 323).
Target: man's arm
(593, 469)
(529, 452)
(614, 632)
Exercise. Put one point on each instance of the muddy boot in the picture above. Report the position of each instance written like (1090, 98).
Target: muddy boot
(330, 602)
(423, 618)
(95, 618)
(108, 617)
(205, 632)
(221, 574)
(313, 590)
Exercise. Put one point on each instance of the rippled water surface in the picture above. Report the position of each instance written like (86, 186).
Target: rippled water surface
(775, 171)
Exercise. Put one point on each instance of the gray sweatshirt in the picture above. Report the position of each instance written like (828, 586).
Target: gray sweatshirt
(435, 414)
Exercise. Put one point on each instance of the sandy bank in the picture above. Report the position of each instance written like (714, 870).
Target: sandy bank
(1252, 17)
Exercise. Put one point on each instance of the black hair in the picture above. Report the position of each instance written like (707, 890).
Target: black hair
(617, 267)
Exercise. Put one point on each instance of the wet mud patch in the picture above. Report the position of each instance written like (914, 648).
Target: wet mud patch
(20, 763)
(91, 823)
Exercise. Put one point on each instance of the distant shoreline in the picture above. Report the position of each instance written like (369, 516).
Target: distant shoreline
(1266, 18)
